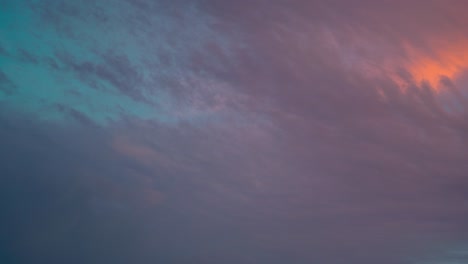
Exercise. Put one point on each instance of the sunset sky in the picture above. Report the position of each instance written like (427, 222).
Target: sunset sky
(234, 131)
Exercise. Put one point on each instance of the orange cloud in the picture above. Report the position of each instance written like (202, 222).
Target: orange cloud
(447, 60)
(440, 56)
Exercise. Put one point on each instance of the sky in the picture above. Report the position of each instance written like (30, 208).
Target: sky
(248, 131)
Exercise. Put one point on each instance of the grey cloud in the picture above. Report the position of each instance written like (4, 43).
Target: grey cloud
(326, 165)
(6, 85)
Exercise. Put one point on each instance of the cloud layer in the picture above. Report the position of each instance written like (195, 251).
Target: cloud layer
(255, 131)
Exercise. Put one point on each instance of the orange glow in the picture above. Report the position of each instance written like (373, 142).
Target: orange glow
(448, 61)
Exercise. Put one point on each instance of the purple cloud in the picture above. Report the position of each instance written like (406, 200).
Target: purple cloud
(309, 132)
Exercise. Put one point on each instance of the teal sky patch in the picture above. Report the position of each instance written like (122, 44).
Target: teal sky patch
(103, 60)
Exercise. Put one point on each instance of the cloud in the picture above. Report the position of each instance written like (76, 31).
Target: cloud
(6, 85)
(307, 131)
